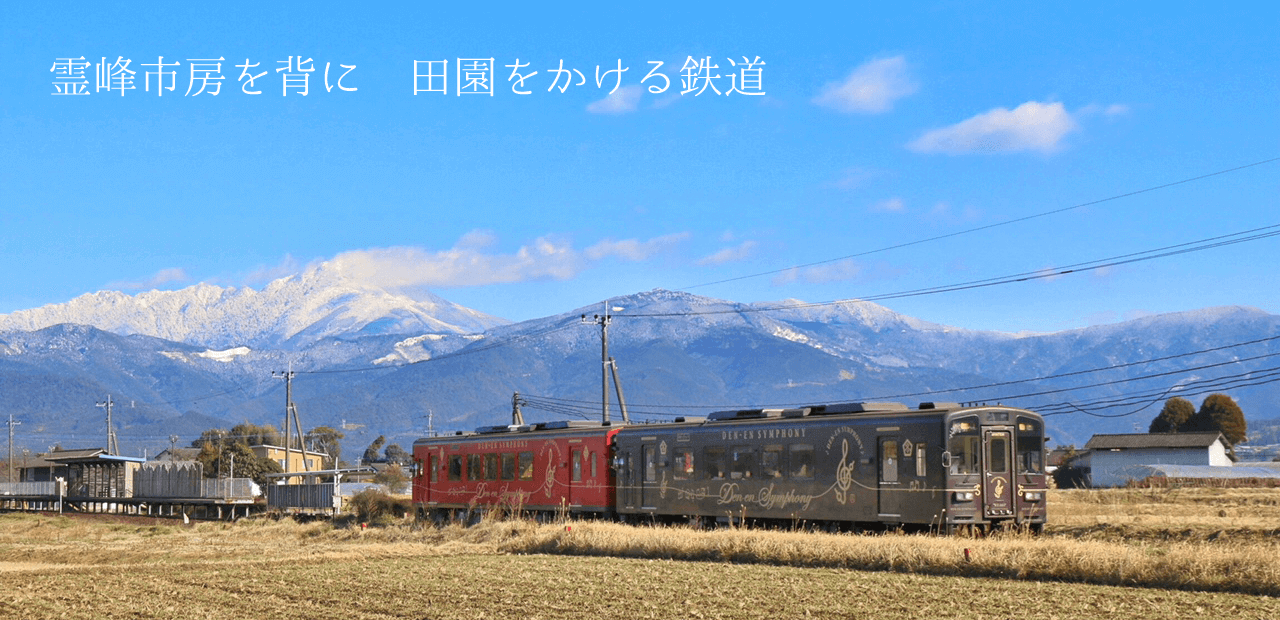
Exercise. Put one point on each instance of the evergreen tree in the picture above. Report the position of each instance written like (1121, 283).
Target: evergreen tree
(1175, 413)
(395, 454)
(1219, 412)
(371, 453)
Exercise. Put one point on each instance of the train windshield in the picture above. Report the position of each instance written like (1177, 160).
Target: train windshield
(965, 446)
(1030, 444)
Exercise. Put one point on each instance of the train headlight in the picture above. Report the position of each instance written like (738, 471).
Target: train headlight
(1033, 496)
(964, 496)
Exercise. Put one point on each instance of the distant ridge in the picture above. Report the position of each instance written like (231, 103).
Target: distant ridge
(290, 312)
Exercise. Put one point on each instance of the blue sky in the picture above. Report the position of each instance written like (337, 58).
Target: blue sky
(877, 126)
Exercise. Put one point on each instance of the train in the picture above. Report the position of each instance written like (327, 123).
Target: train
(837, 467)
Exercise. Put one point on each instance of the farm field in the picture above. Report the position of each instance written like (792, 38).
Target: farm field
(1227, 564)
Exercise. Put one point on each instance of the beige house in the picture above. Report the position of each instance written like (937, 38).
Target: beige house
(314, 460)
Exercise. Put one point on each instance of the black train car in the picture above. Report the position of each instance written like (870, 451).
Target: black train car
(842, 466)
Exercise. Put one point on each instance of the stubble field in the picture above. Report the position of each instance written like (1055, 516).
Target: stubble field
(1112, 554)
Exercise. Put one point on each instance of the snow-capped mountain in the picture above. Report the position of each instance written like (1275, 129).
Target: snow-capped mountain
(291, 312)
(374, 362)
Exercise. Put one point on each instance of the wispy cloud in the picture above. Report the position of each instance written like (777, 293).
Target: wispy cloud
(729, 255)
(892, 205)
(161, 278)
(633, 249)
(625, 99)
(854, 177)
(471, 262)
(871, 88)
(1032, 126)
(837, 271)
(265, 273)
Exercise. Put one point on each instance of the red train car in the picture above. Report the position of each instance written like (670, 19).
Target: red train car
(543, 467)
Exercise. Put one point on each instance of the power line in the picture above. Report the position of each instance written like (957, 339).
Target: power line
(988, 226)
(1053, 272)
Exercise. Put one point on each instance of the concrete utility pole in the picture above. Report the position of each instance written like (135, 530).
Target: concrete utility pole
(607, 365)
(113, 448)
(11, 425)
(517, 418)
(291, 410)
(288, 408)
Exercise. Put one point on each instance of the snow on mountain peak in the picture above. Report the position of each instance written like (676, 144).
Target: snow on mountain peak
(292, 311)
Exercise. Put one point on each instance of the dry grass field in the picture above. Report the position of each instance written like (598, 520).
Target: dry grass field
(1121, 554)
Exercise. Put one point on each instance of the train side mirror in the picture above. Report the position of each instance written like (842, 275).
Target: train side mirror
(946, 460)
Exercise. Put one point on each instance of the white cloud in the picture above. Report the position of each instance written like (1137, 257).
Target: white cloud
(633, 249)
(871, 88)
(1115, 109)
(265, 273)
(162, 277)
(729, 255)
(469, 263)
(854, 177)
(625, 99)
(837, 271)
(892, 205)
(1032, 126)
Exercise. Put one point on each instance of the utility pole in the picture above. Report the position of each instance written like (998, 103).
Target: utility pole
(607, 365)
(113, 448)
(291, 409)
(517, 418)
(11, 425)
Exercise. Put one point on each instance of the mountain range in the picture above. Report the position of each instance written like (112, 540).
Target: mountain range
(375, 362)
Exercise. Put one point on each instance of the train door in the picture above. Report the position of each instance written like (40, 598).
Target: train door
(575, 475)
(890, 487)
(649, 473)
(997, 478)
(627, 479)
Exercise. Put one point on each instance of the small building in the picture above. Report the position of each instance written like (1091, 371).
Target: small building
(178, 454)
(314, 460)
(39, 469)
(1113, 460)
(92, 473)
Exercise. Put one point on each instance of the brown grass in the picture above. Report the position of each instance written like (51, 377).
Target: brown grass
(1129, 538)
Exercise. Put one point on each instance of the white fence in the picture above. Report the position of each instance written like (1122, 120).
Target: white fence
(29, 489)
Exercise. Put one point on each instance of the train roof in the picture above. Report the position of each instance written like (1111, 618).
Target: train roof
(852, 409)
(513, 431)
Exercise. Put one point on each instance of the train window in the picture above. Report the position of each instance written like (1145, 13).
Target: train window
(455, 468)
(920, 464)
(525, 465)
(475, 467)
(1030, 444)
(801, 461)
(997, 458)
(964, 446)
(508, 466)
(684, 464)
(435, 467)
(888, 460)
(577, 465)
(491, 466)
(771, 462)
(592, 458)
(744, 462)
(714, 458)
(650, 465)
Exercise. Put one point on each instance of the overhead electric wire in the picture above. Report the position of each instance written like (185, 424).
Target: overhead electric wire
(657, 409)
(1053, 272)
(988, 226)
(458, 353)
